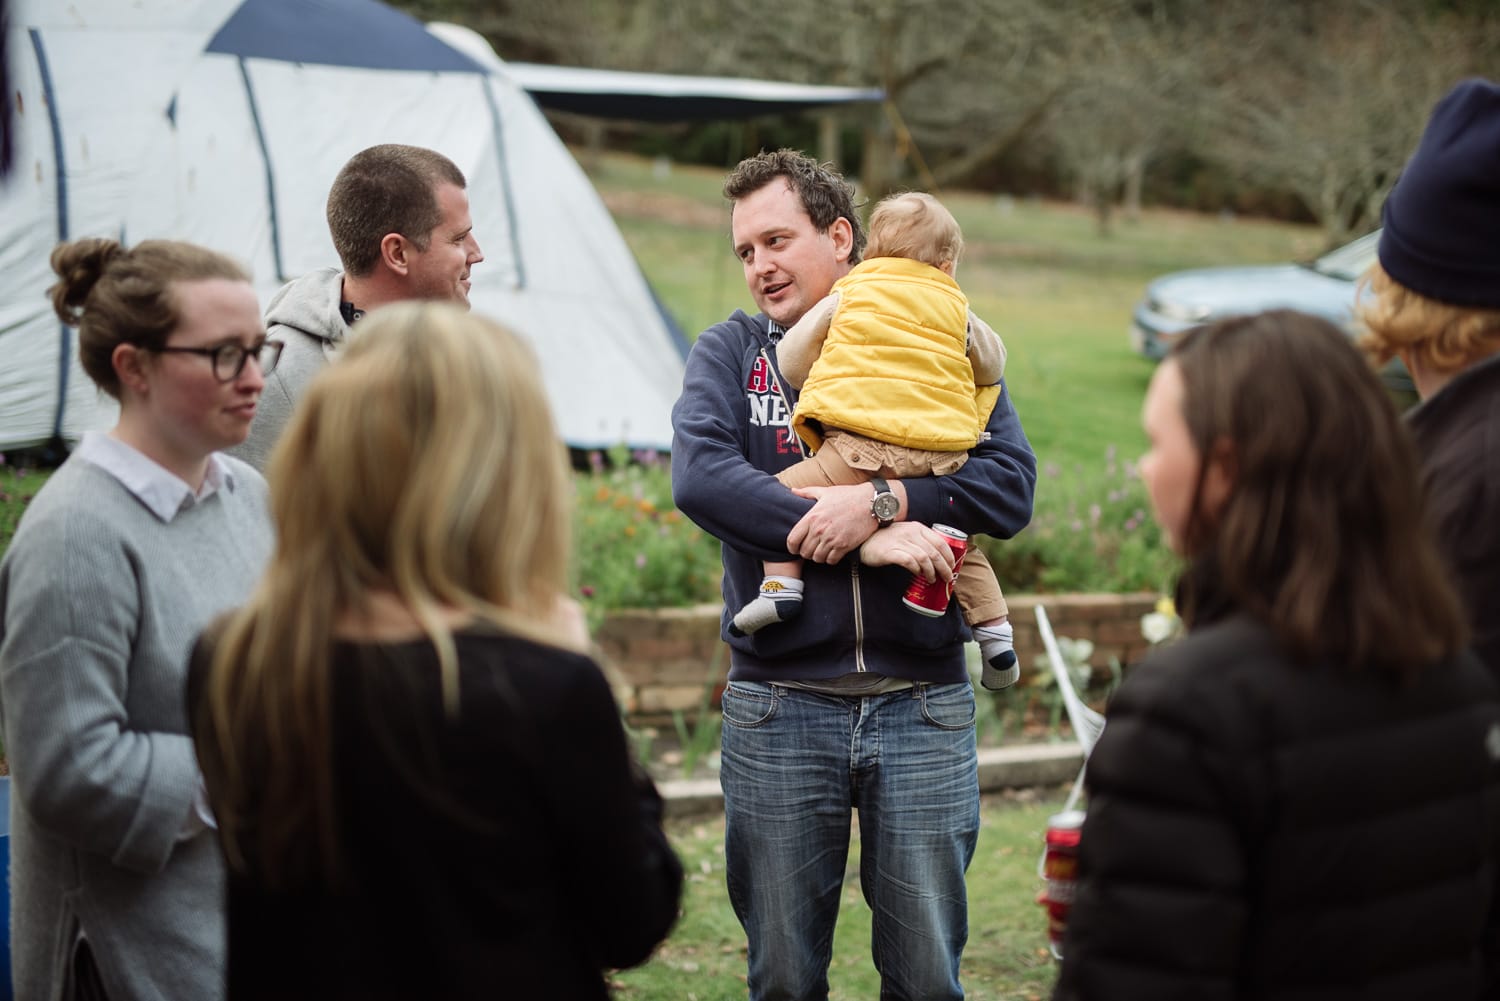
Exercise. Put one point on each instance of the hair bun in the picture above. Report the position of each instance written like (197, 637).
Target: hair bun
(79, 265)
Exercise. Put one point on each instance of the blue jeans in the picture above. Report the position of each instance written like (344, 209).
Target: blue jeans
(795, 764)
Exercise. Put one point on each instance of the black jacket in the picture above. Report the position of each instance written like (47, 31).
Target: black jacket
(1458, 439)
(511, 851)
(1259, 829)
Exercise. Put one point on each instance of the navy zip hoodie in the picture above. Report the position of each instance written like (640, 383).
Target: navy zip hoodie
(732, 435)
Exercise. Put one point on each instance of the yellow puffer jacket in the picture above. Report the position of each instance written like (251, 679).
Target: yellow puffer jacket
(894, 366)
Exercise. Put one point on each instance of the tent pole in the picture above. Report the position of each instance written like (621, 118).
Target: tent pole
(506, 189)
(64, 337)
(265, 158)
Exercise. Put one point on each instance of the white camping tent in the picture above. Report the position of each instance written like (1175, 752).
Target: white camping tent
(224, 121)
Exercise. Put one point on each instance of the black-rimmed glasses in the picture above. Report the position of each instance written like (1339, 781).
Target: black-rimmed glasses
(229, 359)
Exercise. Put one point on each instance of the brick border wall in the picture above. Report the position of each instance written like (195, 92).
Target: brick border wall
(660, 660)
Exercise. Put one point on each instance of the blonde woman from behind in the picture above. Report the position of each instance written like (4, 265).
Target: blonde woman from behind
(422, 784)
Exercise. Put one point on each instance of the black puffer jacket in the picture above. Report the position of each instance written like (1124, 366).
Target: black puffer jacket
(1262, 830)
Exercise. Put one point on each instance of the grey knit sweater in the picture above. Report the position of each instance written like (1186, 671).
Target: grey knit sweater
(100, 602)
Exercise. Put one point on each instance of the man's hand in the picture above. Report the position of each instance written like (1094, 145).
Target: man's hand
(913, 546)
(837, 523)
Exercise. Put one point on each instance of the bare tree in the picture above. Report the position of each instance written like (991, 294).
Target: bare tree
(1128, 72)
(1328, 102)
(1323, 98)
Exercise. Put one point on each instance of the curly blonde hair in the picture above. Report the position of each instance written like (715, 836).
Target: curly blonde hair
(1442, 337)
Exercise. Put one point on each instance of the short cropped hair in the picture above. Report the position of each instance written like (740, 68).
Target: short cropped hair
(825, 195)
(917, 226)
(386, 189)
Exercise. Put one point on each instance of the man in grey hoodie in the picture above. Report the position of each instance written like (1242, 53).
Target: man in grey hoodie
(399, 217)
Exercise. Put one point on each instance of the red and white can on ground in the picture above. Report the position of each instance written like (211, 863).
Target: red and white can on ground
(1060, 870)
(930, 597)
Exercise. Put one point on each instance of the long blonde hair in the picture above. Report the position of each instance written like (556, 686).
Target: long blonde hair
(423, 463)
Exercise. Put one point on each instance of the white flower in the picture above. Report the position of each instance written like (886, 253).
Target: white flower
(1158, 627)
(1076, 653)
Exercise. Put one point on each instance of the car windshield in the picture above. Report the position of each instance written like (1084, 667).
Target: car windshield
(1349, 261)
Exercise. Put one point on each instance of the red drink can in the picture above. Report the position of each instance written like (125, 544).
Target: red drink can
(930, 597)
(1060, 870)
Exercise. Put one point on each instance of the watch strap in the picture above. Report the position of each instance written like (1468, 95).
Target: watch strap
(882, 488)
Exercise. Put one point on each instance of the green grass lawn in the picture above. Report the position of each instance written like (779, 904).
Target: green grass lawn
(1058, 293)
(1006, 959)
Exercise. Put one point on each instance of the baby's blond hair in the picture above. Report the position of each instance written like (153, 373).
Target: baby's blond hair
(917, 226)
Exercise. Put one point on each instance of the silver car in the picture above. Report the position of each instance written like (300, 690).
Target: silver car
(1324, 287)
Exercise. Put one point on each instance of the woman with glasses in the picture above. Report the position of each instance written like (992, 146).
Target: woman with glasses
(141, 537)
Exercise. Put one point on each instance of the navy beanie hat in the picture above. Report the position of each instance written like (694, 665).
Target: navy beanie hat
(1442, 220)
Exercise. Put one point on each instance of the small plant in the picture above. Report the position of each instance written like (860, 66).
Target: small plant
(641, 740)
(996, 714)
(634, 549)
(699, 739)
(1076, 654)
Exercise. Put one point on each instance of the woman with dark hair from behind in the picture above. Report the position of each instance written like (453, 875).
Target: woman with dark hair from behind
(422, 783)
(1299, 798)
(138, 540)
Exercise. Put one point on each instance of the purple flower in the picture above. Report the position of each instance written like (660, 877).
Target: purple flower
(596, 461)
(640, 561)
(1094, 513)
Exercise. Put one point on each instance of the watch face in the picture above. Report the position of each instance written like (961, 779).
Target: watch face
(885, 507)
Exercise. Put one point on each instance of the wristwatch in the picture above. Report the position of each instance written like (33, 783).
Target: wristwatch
(884, 505)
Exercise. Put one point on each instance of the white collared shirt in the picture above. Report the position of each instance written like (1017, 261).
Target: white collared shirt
(164, 493)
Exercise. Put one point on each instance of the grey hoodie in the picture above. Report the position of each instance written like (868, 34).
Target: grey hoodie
(305, 316)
